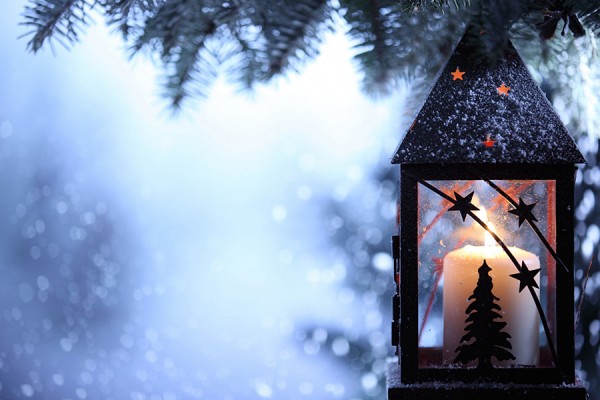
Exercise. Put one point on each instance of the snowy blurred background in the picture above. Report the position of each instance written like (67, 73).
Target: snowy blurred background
(147, 256)
(238, 250)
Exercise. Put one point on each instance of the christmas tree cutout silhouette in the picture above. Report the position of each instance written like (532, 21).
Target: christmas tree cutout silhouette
(482, 326)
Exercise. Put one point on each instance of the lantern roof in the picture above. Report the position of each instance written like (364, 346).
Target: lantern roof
(481, 113)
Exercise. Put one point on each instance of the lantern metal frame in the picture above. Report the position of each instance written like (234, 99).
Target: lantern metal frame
(406, 379)
(564, 318)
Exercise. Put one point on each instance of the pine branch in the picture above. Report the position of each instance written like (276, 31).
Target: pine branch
(410, 6)
(379, 37)
(55, 19)
(291, 29)
(250, 63)
(497, 17)
(589, 11)
(567, 67)
(125, 13)
(246, 59)
(170, 25)
(258, 39)
(394, 44)
(374, 24)
(179, 31)
(192, 67)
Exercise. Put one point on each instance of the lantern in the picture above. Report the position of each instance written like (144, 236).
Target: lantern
(484, 259)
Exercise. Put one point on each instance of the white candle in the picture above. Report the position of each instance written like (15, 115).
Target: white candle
(518, 310)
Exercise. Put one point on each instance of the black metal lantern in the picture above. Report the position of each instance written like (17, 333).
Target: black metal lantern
(484, 260)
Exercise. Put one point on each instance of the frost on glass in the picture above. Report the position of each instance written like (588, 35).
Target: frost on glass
(452, 251)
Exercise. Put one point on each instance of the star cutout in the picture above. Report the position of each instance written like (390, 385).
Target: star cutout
(526, 277)
(488, 142)
(457, 74)
(523, 211)
(463, 204)
(503, 90)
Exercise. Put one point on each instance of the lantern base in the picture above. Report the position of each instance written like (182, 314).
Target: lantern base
(477, 391)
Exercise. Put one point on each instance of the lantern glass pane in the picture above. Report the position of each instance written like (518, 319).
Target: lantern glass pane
(477, 303)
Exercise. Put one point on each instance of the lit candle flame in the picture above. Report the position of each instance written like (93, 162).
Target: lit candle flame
(488, 239)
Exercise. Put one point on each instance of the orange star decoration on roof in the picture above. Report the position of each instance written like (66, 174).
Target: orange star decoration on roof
(488, 142)
(457, 74)
(503, 90)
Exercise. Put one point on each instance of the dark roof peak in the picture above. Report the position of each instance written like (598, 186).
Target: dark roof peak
(480, 112)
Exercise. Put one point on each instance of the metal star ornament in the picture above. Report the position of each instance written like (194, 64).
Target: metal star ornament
(524, 212)
(463, 204)
(526, 277)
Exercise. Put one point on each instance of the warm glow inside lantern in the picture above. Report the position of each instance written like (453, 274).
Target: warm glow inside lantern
(484, 256)
(500, 301)
(484, 273)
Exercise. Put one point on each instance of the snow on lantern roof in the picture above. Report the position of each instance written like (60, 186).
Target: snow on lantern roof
(478, 113)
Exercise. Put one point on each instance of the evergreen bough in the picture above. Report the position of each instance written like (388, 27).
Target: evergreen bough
(255, 40)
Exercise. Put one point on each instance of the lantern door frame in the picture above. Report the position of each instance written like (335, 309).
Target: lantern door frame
(408, 348)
